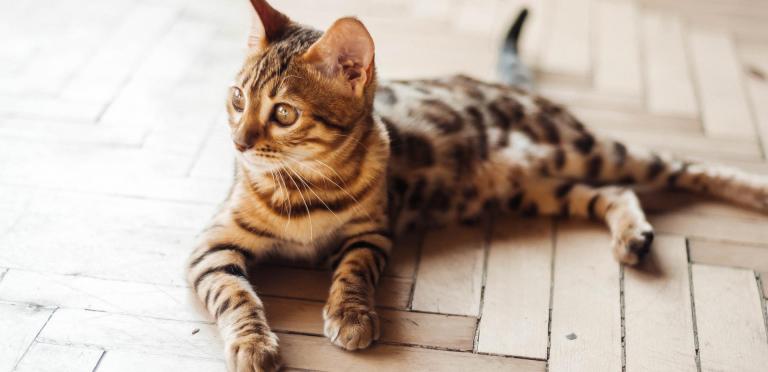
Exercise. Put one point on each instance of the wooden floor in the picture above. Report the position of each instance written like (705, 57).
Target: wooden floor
(114, 153)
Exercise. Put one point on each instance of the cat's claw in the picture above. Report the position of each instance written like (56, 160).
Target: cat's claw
(254, 353)
(351, 328)
(633, 245)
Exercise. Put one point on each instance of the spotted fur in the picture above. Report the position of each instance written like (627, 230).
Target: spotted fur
(365, 162)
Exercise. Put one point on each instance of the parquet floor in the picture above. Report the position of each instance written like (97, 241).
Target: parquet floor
(114, 153)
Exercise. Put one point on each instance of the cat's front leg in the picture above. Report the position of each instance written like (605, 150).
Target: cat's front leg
(351, 322)
(218, 275)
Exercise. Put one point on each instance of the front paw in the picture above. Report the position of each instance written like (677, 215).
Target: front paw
(350, 327)
(253, 353)
(632, 245)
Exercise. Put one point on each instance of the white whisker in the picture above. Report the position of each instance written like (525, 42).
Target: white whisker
(304, 181)
(309, 214)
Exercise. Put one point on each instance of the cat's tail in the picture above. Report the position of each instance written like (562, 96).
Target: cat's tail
(511, 69)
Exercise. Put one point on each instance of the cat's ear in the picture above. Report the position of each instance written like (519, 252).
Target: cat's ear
(267, 24)
(345, 52)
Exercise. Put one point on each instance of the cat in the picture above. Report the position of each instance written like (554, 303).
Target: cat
(331, 163)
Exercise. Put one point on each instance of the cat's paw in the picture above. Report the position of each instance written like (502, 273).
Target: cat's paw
(632, 245)
(351, 328)
(253, 353)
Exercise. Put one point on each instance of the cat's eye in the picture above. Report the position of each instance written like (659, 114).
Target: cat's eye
(285, 114)
(238, 101)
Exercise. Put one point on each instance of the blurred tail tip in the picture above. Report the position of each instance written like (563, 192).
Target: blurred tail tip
(513, 36)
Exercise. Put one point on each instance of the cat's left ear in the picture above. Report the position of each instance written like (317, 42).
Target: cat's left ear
(345, 52)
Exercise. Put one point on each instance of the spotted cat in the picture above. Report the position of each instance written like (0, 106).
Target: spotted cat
(333, 164)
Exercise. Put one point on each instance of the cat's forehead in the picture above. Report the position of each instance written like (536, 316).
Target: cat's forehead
(276, 58)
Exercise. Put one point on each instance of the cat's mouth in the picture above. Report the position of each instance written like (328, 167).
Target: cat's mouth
(259, 160)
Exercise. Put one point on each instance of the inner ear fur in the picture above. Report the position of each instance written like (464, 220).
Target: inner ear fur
(345, 52)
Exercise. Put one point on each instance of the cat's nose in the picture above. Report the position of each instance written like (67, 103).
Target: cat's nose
(242, 146)
(244, 138)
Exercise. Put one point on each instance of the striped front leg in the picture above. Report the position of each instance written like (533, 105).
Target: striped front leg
(351, 321)
(218, 274)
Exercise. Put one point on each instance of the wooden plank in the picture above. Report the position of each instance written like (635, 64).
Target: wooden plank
(718, 75)
(437, 42)
(449, 279)
(317, 353)
(582, 96)
(617, 55)
(116, 59)
(127, 361)
(586, 313)
(314, 285)
(177, 303)
(712, 252)
(606, 118)
(764, 282)
(567, 52)
(144, 254)
(171, 302)
(657, 310)
(110, 331)
(400, 327)
(687, 144)
(729, 319)
(175, 338)
(81, 133)
(217, 156)
(49, 108)
(668, 80)
(20, 324)
(14, 201)
(755, 59)
(59, 358)
(515, 314)
(729, 229)
(685, 203)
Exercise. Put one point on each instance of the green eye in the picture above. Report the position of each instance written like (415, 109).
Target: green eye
(285, 114)
(238, 101)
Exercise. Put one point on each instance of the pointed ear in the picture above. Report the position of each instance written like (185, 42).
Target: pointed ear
(345, 52)
(267, 24)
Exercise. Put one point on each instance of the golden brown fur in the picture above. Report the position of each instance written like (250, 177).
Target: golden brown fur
(323, 171)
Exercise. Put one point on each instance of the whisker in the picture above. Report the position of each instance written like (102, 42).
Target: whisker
(313, 191)
(284, 188)
(357, 205)
(288, 196)
(301, 194)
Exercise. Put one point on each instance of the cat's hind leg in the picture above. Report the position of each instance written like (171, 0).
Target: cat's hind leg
(618, 207)
(605, 161)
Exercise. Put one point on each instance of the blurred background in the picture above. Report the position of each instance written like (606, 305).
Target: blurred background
(114, 152)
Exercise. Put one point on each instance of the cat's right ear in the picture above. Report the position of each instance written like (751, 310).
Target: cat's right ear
(267, 24)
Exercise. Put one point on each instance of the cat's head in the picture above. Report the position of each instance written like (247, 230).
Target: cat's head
(302, 94)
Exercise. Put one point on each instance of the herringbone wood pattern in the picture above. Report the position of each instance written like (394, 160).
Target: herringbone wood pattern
(114, 153)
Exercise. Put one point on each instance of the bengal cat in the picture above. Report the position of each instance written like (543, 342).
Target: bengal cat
(331, 163)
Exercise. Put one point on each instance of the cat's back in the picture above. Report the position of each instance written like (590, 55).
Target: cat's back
(458, 136)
